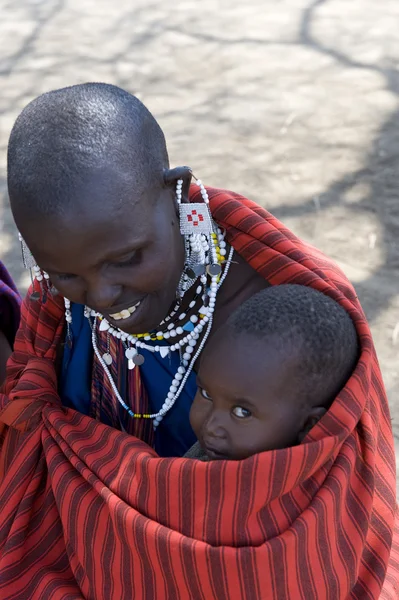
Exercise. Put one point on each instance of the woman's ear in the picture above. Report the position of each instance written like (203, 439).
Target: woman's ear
(171, 177)
(314, 415)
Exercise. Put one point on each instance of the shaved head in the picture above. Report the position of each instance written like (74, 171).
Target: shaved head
(67, 142)
(300, 318)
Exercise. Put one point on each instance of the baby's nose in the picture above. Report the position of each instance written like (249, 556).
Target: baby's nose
(214, 426)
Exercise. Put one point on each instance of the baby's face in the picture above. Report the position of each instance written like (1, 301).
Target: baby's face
(247, 400)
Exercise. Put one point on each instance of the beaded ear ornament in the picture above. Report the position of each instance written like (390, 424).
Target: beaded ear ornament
(201, 236)
(46, 288)
(36, 273)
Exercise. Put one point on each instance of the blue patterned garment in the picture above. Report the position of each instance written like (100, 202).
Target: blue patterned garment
(174, 436)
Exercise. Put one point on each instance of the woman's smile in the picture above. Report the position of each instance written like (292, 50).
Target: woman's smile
(128, 319)
(125, 313)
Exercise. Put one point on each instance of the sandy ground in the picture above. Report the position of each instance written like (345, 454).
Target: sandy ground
(292, 103)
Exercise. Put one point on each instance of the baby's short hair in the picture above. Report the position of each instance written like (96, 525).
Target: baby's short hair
(319, 328)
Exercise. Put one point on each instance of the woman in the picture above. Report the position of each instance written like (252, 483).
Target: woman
(135, 269)
(9, 317)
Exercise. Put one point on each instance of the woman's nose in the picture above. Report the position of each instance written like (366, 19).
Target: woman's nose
(101, 294)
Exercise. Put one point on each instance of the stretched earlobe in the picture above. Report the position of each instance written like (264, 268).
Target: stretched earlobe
(171, 176)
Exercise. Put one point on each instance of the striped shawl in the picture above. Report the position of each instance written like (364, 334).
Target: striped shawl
(87, 511)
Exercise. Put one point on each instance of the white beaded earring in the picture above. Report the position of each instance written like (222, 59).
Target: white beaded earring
(197, 227)
(36, 272)
(27, 257)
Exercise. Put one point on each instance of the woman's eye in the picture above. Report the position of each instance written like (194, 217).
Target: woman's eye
(127, 262)
(241, 413)
(205, 394)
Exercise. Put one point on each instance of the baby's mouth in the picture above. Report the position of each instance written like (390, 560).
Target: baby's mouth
(214, 453)
(125, 313)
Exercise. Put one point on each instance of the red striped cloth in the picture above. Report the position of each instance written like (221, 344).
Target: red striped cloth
(90, 512)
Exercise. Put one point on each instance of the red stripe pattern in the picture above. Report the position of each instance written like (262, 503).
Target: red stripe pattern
(87, 511)
(103, 400)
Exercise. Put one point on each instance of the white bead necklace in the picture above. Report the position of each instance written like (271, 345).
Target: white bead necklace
(189, 358)
(133, 342)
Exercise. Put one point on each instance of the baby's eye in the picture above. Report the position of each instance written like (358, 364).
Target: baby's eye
(205, 394)
(241, 413)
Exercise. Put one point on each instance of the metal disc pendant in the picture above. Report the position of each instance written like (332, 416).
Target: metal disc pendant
(130, 353)
(107, 358)
(35, 296)
(214, 270)
(195, 271)
(130, 364)
(199, 270)
(138, 359)
(53, 291)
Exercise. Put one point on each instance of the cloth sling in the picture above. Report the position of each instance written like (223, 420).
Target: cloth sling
(87, 511)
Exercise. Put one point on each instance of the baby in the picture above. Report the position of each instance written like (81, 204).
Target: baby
(271, 372)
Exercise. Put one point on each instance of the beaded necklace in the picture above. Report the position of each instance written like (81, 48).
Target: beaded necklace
(206, 266)
(188, 358)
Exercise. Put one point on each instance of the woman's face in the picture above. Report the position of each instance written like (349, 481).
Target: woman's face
(123, 259)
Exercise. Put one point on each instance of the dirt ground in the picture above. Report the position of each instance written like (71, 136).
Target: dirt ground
(293, 103)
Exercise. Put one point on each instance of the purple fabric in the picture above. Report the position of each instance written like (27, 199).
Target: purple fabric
(10, 302)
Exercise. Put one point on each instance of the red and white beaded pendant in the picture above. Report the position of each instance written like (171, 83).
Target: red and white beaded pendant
(195, 219)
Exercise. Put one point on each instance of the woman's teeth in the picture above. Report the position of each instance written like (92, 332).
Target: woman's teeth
(125, 314)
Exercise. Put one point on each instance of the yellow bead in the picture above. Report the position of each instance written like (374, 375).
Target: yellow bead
(159, 337)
